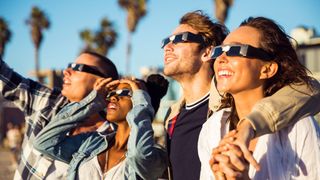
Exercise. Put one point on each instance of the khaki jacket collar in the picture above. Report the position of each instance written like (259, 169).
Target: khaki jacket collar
(214, 104)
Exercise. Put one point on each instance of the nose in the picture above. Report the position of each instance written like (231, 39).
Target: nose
(67, 72)
(168, 47)
(113, 99)
(223, 58)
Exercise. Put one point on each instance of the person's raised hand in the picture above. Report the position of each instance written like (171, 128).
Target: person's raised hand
(104, 85)
(134, 83)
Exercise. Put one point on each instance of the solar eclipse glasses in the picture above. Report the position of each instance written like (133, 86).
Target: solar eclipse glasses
(240, 50)
(85, 68)
(182, 37)
(119, 93)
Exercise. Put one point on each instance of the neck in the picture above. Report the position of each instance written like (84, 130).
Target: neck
(195, 86)
(245, 100)
(122, 136)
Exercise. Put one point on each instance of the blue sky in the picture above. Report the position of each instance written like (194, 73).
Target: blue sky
(62, 43)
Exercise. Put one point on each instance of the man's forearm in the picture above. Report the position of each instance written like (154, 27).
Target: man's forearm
(285, 107)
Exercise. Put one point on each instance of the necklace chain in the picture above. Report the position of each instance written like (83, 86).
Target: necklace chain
(119, 160)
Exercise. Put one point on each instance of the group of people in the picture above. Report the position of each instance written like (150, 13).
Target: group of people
(246, 111)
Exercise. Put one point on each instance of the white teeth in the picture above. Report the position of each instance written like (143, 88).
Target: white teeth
(66, 81)
(169, 59)
(112, 105)
(225, 73)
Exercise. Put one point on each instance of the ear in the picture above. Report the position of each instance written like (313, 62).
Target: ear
(268, 70)
(206, 55)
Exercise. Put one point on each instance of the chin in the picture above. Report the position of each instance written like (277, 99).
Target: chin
(114, 119)
(169, 72)
(165, 72)
(221, 89)
(111, 118)
(64, 93)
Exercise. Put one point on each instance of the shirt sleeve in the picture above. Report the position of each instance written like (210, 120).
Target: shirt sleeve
(29, 96)
(54, 141)
(144, 155)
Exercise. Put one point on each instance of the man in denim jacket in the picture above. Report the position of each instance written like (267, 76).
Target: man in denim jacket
(39, 104)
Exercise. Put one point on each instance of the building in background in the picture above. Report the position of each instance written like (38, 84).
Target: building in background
(308, 48)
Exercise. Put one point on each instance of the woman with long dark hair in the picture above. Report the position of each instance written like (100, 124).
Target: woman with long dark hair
(254, 61)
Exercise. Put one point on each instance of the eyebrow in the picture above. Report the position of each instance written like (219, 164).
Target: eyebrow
(178, 33)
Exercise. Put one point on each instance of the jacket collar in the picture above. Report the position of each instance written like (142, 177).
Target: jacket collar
(215, 100)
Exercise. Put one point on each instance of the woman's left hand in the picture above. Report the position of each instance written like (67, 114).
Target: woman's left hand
(227, 160)
(104, 85)
(134, 84)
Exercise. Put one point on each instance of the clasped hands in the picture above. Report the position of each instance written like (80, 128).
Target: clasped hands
(231, 159)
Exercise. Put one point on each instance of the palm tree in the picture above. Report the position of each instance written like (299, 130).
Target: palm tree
(5, 35)
(105, 37)
(102, 40)
(87, 36)
(136, 9)
(222, 9)
(37, 21)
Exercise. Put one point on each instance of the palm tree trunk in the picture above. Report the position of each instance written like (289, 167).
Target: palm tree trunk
(36, 63)
(128, 53)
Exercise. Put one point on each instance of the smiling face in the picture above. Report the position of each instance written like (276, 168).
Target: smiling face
(76, 84)
(182, 58)
(119, 106)
(238, 74)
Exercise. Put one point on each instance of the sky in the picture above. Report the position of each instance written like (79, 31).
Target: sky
(62, 42)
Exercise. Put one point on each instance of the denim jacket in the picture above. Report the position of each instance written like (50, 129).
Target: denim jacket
(144, 158)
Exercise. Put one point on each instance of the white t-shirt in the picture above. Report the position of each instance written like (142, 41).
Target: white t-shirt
(291, 153)
(57, 170)
(91, 170)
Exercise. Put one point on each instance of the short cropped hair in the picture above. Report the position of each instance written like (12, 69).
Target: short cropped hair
(107, 66)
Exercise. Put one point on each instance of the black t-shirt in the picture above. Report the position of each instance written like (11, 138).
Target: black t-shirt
(183, 145)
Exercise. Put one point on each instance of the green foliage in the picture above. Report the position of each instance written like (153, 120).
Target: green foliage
(136, 9)
(5, 35)
(101, 40)
(38, 21)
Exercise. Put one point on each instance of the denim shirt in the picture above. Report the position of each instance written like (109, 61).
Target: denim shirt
(144, 158)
